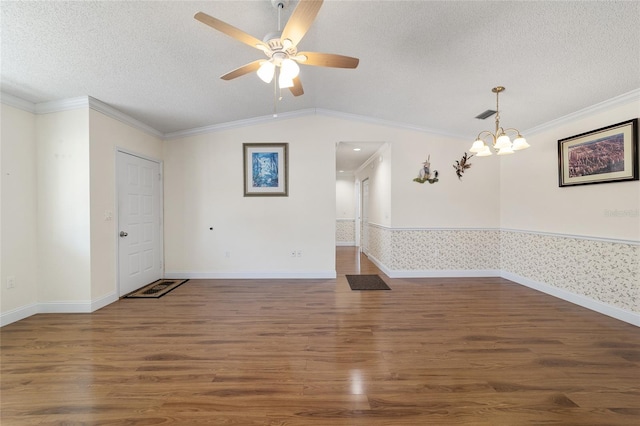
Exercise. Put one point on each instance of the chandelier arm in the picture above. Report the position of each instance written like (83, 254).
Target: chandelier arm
(485, 133)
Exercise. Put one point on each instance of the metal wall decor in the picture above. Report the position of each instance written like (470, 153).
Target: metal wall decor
(425, 174)
(462, 165)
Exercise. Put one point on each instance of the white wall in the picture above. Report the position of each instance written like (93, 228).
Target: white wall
(532, 200)
(345, 210)
(106, 136)
(377, 170)
(59, 208)
(448, 228)
(579, 243)
(470, 202)
(18, 210)
(345, 197)
(251, 236)
(64, 163)
(63, 206)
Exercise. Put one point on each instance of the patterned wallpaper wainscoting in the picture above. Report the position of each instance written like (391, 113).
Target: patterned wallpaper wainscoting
(602, 270)
(601, 275)
(345, 232)
(439, 252)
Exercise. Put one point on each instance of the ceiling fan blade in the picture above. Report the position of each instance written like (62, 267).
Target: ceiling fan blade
(229, 30)
(245, 69)
(301, 19)
(329, 60)
(296, 89)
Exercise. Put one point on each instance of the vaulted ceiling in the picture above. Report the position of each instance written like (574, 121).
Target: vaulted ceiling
(427, 64)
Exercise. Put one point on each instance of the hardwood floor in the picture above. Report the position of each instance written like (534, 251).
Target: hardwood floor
(480, 351)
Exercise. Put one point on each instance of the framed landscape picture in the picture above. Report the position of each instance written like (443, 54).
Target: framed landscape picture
(266, 169)
(609, 154)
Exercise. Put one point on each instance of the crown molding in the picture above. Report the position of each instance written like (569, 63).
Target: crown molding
(62, 105)
(110, 111)
(17, 102)
(303, 113)
(96, 105)
(76, 103)
(388, 123)
(625, 98)
(239, 123)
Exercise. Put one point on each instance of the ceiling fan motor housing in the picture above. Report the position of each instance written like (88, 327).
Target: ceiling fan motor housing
(275, 44)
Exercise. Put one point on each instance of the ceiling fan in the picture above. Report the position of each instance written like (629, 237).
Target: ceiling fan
(281, 47)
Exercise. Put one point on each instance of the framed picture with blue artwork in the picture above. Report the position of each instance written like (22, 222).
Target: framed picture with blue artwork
(266, 169)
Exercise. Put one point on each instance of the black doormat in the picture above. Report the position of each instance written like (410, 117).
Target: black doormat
(367, 282)
(156, 289)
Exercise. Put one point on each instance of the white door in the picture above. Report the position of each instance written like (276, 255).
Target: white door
(365, 217)
(139, 222)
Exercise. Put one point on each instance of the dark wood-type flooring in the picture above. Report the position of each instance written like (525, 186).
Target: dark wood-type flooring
(455, 351)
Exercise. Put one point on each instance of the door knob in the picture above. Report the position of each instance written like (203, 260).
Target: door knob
(123, 234)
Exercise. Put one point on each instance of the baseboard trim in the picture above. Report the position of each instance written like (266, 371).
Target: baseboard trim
(345, 243)
(18, 314)
(446, 273)
(59, 307)
(434, 273)
(104, 301)
(577, 299)
(62, 307)
(252, 275)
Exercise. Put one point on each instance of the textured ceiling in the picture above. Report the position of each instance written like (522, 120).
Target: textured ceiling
(428, 64)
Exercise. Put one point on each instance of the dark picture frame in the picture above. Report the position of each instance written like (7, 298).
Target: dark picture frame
(605, 155)
(266, 169)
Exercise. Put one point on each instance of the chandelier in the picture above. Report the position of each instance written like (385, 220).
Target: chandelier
(500, 140)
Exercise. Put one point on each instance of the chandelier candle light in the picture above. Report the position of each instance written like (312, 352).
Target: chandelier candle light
(500, 140)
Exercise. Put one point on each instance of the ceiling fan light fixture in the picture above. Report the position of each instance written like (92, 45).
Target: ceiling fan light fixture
(284, 82)
(289, 68)
(287, 44)
(266, 71)
(280, 46)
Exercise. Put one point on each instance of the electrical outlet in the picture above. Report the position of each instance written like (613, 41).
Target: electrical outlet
(11, 282)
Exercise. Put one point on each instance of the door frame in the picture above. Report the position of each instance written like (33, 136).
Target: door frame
(117, 215)
(357, 202)
(364, 242)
